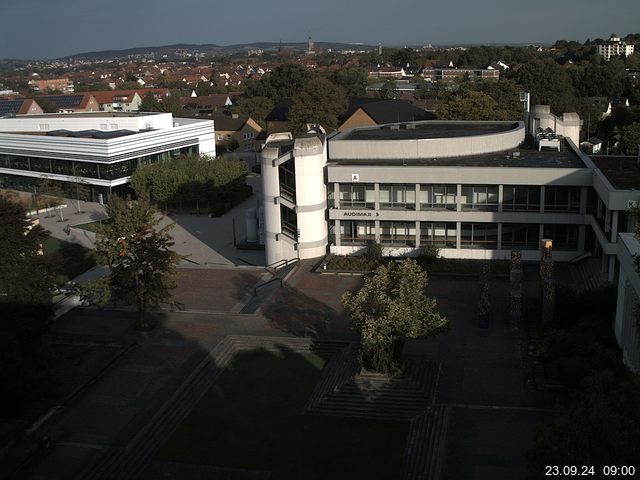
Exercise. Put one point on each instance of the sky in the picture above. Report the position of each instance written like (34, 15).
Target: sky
(41, 29)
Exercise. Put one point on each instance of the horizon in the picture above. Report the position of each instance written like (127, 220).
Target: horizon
(367, 23)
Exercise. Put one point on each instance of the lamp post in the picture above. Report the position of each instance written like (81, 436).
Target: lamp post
(546, 277)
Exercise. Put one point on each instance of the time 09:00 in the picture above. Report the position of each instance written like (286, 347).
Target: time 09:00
(572, 470)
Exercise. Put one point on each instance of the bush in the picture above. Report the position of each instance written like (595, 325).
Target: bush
(428, 254)
(374, 253)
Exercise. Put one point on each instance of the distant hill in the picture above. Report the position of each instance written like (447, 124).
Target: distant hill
(212, 49)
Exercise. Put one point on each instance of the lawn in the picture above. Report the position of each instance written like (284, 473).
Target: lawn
(70, 259)
(91, 226)
(252, 418)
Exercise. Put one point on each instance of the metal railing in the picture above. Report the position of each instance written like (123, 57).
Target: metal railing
(276, 279)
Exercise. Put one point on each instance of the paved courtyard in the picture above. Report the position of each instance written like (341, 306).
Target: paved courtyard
(491, 414)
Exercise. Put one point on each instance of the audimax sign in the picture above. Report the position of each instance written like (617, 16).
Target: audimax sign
(360, 214)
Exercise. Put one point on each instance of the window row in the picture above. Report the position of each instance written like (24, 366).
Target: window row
(473, 197)
(472, 235)
(103, 171)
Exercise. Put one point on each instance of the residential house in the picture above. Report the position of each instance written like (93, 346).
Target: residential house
(53, 84)
(74, 103)
(19, 106)
(364, 112)
(206, 105)
(239, 127)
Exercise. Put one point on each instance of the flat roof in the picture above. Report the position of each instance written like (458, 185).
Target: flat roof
(425, 130)
(622, 171)
(87, 115)
(523, 158)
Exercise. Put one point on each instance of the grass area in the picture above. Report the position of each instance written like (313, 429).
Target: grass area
(69, 259)
(252, 418)
(91, 226)
(453, 266)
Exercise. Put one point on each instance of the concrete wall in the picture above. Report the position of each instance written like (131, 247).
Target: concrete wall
(625, 327)
(83, 121)
(428, 147)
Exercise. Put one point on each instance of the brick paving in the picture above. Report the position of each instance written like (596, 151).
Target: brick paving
(481, 368)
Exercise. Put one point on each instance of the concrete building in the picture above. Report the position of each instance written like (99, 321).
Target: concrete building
(102, 149)
(614, 47)
(474, 190)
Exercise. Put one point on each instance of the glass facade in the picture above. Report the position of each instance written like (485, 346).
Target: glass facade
(438, 197)
(479, 235)
(357, 195)
(357, 232)
(287, 175)
(562, 199)
(520, 236)
(480, 197)
(438, 234)
(516, 198)
(565, 237)
(99, 171)
(398, 234)
(289, 221)
(398, 196)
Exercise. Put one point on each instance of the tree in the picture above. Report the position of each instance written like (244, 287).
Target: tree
(286, 80)
(149, 103)
(47, 192)
(321, 102)
(26, 280)
(138, 253)
(631, 138)
(256, 107)
(471, 105)
(388, 89)
(47, 105)
(549, 84)
(353, 80)
(390, 305)
(81, 191)
(172, 104)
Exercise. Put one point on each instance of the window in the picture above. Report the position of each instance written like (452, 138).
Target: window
(357, 195)
(480, 197)
(356, 232)
(228, 137)
(520, 236)
(479, 235)
(398, 196)
(400, 234)
(562, 199)
(516, 198)
(289, 222)
(438, 197)
(220, 137)
(287, 175)
(565, 237)
(438, 234)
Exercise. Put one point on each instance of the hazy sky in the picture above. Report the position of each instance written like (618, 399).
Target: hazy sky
(55, 28)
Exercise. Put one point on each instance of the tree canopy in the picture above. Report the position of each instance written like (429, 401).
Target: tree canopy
(549, 84)
(142, 266)
(321, 102)
(391, 304)
(26, 280)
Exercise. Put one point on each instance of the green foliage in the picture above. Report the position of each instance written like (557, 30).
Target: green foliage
(549, 84)
(233, 144)
(256, 107)
(388, 89)
(472, 105)
(138, 253)
(47, 105)
(286, 80)
(429, 254)
(390, 305)
(602, 427)
(190, 179)
(319, 102)
(149, 103)
(631, 138)
(374, 253)
(352, 79)
(26, 280)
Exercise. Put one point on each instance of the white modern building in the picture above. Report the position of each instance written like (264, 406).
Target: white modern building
(614, 47)
(103, 149)
(473, 189)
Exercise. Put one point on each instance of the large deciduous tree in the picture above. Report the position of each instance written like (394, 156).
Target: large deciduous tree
(142, 266)
(26, 280)
(549, 84)
(320, 102)
(391, 305)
